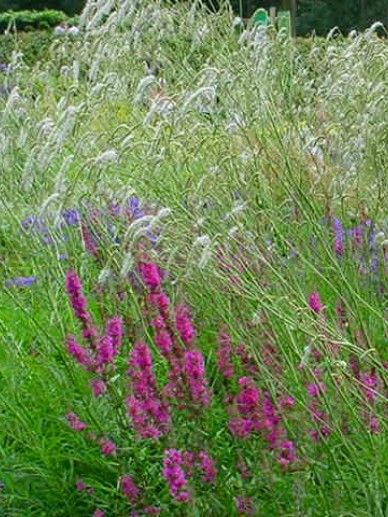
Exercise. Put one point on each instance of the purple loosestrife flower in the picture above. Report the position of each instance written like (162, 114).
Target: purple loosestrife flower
(368, 385)
(188, 463)
(287, 402)
(247, 362)
(75, 423)
(150, 275)
(315, 389)
(208, 467)
(245, 506)
(243, 469)
(21, 281)
(80, 486)
(98, 387)
(175, 476)
(99, 513)
(164, 341)
(108, 448)
(315, 302)
(106, 351)
(161, 302)
(274, 432)
(224, 354)
(287, 453)
(88, 240)
(152, 510)
(114, 329)
(184, 324)
(374, 424)
(150, 415)
(79, 304)
(175, 386)
(80, 354)
(194, 369)
(129, 489)
(247, 405)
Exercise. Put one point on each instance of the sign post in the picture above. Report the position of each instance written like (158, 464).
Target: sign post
(260, 17)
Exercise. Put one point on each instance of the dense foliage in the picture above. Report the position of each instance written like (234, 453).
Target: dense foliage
(33, 46)
(193, 244)
(312, 15)
(28, 20)
(68, 6)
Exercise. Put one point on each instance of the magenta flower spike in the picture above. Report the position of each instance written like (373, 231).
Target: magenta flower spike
(79, 304)
(150, 275)
(114, 329)
(208, 467)
(175, 475)
(315, 302)
(75, 423)
(129, 489)
(224, 354)
(194, 369)
(184, 324)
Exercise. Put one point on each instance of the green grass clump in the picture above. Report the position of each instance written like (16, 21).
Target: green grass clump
(251, 170)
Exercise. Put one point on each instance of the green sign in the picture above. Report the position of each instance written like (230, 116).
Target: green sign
(284, 22)
(260, 17)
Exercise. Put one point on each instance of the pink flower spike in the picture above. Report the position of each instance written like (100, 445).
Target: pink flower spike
(208, 467)
(129, 489)
(80, 486)
(315, 389)
(184, 324)
(287, 402)
(224, 355)
(108, 448)
(98, 387)
(75, 423)
(114, 329)
(244, 506)
(90, 245)
(79, 353)
(99, 513)
(150, 275)
(174, 475)
(152, 510)
(106, 350)
(315, 302)
(194, 368)
(374, 425)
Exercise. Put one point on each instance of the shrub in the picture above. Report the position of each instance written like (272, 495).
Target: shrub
(23, 19)
(33, 45)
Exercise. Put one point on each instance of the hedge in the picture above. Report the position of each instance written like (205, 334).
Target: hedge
(33, 45)
(28, 20)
